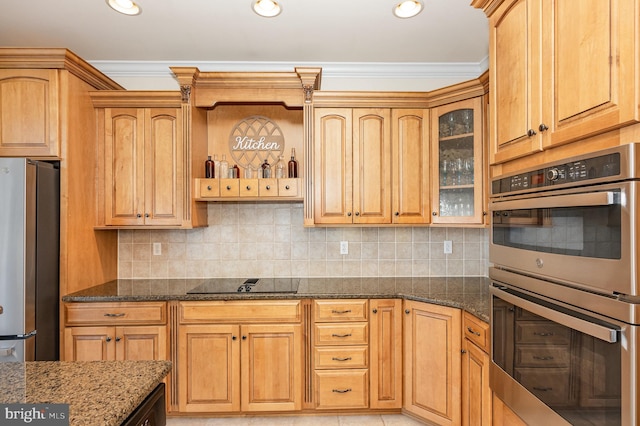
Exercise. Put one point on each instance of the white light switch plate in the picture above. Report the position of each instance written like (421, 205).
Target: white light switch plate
(344, 247)
(157, 249)
(448, 247)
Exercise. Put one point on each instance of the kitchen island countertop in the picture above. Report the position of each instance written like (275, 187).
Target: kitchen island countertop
(98, 392)
(468, 293)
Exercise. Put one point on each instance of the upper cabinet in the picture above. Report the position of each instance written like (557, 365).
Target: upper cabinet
(560, 71)
(352, 164)
(457, 163)
(144, 175)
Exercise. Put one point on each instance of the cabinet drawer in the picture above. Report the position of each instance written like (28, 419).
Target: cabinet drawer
(342, 389)
(209, 188)
(351, 333)
(477, 331)
(248, 187)
(268, 187)
(229, 187)
(340, 310)
(542, 356)
(115, 313)
(341, 357)
(541, 332)
(288, 187)
(220, 311)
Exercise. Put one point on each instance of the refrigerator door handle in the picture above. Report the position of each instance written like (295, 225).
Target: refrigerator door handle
(19, 336)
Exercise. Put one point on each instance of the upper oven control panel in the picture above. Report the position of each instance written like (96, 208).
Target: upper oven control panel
(603, 167)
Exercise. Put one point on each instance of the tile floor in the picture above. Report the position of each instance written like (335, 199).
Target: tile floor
(373, 420)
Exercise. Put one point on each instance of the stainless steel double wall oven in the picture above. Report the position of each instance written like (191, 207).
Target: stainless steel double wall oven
(566, 291)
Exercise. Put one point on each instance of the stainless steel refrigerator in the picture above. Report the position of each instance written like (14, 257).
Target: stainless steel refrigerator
(29, 260)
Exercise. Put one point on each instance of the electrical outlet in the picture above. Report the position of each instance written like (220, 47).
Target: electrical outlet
(157, 249)
(344, 247)
(448, 247)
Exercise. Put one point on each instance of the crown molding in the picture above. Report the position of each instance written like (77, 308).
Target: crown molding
(369, 70)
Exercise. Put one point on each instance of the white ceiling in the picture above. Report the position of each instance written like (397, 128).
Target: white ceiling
(447, 33)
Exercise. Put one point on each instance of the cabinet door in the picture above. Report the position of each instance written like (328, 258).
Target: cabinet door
(410, 163)
(515, 79)
(141, 343)
(457, 163)
(386, 353)
(89, 344)
(209, 368)
(432, 365)
(124, 166)
(163, 166)
(271, 367)
(590, 67)
(29, 113)
(332, 163)
(476, 394)
(371, 166)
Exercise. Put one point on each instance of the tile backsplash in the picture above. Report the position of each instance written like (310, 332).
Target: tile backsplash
(269, 240)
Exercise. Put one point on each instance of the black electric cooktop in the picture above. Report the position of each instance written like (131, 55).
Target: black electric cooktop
(243, 285)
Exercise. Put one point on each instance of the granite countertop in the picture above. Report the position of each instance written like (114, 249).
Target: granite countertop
(468, 293)
(98, 392)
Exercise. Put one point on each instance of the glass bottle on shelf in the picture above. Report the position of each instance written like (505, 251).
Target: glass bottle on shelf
(266, 169)
(209, 168)
(280, 171)
(224, 167)
(216, 166)
(293, 165)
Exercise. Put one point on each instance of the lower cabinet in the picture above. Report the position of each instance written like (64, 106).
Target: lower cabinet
(432, 362)
(476, 394)
(239, 356)
(385, 341)
(115, 331)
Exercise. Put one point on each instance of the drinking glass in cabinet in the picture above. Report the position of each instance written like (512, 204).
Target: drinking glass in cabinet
(467, 120)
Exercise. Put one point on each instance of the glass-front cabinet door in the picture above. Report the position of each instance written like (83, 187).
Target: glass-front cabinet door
(457, 172)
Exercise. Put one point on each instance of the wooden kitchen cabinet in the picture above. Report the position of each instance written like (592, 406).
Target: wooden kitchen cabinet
(115, 331)
(410, 166)
(30, 112)
(457, 158)
(341, 348)
(476, 393)
(248, 189)
(385, 343)
(352, 165)
(143, 166)
(432, 362)
(561, 71)
(240, 356)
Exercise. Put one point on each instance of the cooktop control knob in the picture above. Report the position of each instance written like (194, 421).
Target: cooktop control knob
(553, 174)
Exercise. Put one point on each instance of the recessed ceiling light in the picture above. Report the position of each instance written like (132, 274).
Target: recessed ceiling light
(267, 8)
(126, 7)
(407, 8)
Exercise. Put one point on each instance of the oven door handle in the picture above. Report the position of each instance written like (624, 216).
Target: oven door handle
(604, 198)
(606, 334)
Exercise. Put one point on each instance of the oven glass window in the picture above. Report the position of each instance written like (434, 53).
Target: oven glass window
(575, 374)
(573, 231)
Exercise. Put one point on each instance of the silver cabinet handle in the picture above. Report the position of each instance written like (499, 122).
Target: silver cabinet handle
(589, 199)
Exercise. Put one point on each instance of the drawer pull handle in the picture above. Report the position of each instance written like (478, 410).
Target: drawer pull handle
(228, 188)
(543, 334)
(472, 331)
(248, 187)
(542, 389)
(340, 312)
(335, 358)
(543, 358)
(341, 390)
(341, 335)
(268, 187)
(209, 188)
(114, 315)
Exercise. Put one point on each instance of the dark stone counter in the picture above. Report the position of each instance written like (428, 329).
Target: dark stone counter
(468, 293)
(98, 392)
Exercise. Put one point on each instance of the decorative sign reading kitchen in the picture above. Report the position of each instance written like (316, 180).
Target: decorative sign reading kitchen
(256, 144)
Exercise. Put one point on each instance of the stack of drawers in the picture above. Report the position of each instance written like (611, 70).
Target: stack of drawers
(341, 354)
